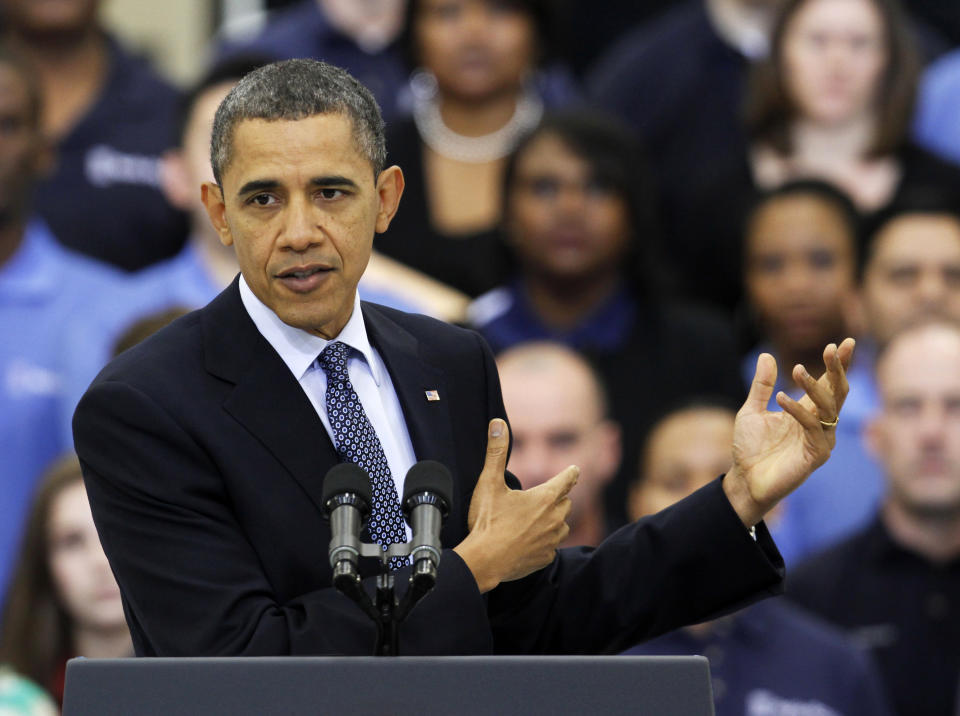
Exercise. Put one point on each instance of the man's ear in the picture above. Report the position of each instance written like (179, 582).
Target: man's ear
(636, 501)
(872, 437)
(609, 437)
(212, 196)
(854, 313)
(45, 159)
(390, 185)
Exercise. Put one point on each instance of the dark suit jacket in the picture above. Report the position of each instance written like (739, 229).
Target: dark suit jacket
(204, 462)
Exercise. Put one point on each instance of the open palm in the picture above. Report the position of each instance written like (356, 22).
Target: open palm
(774, 452)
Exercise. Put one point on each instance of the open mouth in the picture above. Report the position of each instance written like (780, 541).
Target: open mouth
(304, 278)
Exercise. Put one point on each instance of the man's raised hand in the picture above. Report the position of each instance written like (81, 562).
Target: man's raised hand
(774, 452)
(513, 532)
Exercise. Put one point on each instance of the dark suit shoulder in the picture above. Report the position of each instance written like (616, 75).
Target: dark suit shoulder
(433, 335)
(167, 353)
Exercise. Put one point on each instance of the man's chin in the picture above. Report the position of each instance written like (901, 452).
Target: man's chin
(316, 320)
(935, 505)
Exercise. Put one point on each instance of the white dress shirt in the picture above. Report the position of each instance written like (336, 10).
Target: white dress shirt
(368, 373)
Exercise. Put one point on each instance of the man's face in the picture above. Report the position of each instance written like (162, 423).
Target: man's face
(300, 206)
(913, 273)
(50, 16)
(21, 147)
(684, 452)
(561, 221)
(917, 433)
(800, 271)
(556, 421)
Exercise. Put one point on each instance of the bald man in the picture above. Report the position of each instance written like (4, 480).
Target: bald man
(558, 415)
(895, 585)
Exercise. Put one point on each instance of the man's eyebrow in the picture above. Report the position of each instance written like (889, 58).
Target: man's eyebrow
(334, 180)
(258, 185)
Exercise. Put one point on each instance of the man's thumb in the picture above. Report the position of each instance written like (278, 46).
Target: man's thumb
(559, 485)
(495, 462)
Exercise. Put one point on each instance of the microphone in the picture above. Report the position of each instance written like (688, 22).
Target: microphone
(426, 503)
(346, 501)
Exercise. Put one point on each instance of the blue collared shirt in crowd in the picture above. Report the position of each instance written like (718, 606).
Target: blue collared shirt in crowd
(51, 301)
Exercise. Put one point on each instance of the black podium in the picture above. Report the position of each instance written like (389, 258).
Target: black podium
(419, 686)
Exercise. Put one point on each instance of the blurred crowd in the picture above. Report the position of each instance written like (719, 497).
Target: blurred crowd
(630, 201)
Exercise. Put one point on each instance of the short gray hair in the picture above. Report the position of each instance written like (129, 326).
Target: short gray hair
(297, 89)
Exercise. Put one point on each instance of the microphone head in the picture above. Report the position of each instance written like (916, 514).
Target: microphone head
(432, 477)
(346, 478)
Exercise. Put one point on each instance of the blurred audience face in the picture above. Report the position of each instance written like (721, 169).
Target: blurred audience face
(476, 49)
(560, 220)
(22, 150)
(189, 167)
(78, 567)
(912, 272)
(557, 419)
(50, 17)
(685, 451)
(917, 433)
(833, 56)
(800, 270)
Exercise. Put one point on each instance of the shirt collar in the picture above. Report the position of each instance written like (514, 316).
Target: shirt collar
(298, 348)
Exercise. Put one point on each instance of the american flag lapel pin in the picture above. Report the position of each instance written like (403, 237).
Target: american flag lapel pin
(432, 395)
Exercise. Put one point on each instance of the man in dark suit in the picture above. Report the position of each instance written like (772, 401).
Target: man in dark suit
(204, 448)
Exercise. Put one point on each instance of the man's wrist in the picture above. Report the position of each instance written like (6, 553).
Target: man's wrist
(738, 494)
(474, 557)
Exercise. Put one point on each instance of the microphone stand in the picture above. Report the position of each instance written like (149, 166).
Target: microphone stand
(385, 610)
(387, 623)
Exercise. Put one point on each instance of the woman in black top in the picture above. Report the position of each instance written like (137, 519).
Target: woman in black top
(476, 91)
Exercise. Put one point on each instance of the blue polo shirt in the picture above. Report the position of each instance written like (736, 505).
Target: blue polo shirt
(180, 281)
(772, 658)
(938, 106)
(842, 495)
(505, 317)
(103, 198)
(51, 304)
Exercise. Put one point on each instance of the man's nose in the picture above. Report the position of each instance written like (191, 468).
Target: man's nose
(798, 279)
(931, 289)
(301, 225)
(530, 466)
(930, 426)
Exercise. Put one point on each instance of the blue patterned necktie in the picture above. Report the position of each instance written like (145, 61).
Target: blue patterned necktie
(357, 442)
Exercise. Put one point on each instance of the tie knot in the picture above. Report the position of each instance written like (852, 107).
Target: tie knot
(333, 360)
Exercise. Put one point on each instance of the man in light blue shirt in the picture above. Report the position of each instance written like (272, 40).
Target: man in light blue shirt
(59, 313)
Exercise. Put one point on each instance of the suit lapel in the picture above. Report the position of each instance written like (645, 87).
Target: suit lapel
(428, 421)
(267, 400)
